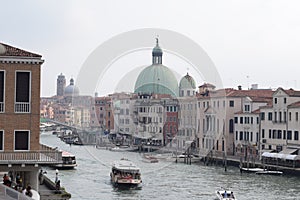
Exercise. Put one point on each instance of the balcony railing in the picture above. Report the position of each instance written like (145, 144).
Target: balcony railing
(46, 155)
(22, 107)
(1, 107)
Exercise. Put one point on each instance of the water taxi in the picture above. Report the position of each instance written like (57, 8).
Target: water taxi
(125, 173)
(225, 195)
(68, 161)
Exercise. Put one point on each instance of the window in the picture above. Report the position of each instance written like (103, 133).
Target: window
(275, 100)
(296, 135)
(284, 100)
(263, 133)
(289, 135)
(236, 120)
(236, 135)
(297, 117)
(1, 140)
(22, 98)
(279, 134)
(241, 120)
(231, 103)
(2, 91)
(231, 125)
(21, 140)
(270, 116)
(270, 133)
(247, 108)
(241, 135)
(262, 116)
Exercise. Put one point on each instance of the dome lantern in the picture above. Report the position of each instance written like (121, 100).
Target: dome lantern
(157, 54)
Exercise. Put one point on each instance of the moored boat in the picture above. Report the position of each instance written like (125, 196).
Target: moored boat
(125, 173)
(251, 169)
(225, 195)
(68, 161)
(269, 172)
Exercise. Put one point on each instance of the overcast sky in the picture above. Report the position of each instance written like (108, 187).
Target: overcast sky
(248, 41)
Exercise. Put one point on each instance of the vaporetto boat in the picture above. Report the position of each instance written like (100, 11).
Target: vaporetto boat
(125, 173)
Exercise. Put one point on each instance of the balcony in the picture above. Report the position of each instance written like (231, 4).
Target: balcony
(46, 155)
(22, 107)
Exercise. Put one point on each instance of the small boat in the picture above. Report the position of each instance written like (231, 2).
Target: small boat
(251, 169)
(125, 173)
(150, 159)
(68, 161)
(186, 158)
(269, 172)
(225, 195)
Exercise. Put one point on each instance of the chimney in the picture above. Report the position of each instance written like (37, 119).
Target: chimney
(240, 87)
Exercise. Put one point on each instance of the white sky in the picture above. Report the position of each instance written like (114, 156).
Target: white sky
(255, 39)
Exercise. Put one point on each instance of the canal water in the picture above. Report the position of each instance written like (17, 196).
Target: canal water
(163, 180)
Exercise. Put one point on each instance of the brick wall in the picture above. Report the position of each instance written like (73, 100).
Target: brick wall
(9, 120)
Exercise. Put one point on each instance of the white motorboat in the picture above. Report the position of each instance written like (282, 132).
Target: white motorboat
(251, 169)
(125, 173)
(150, 158)
(225, 195)
(68, 161)
(269, 172)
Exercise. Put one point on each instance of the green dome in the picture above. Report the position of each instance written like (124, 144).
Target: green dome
(157, 79)
(187, 82)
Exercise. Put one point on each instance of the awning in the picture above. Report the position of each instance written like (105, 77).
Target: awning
(280, 156)
(288, 151)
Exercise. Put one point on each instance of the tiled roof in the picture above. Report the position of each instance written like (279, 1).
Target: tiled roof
(260, 95)
(294, 105)
(11, 51)
(292, 93)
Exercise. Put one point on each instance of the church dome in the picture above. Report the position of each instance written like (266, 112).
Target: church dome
(71, 89)
(156, 78)
(187, 82)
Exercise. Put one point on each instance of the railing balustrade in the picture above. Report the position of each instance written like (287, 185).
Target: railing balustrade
(22, 107)
(45, 155)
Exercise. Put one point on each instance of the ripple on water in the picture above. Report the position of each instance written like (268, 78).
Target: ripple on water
(164, 180)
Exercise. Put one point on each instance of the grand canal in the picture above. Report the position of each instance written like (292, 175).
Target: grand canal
(163, 180)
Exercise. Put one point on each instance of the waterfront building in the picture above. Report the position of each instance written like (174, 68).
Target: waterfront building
(247, 125)
(20, 149)
(123, 115)
(280, 124)
(217, 114)
(170, 129)
(100, 112)
(187, 116)
(149, 118)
